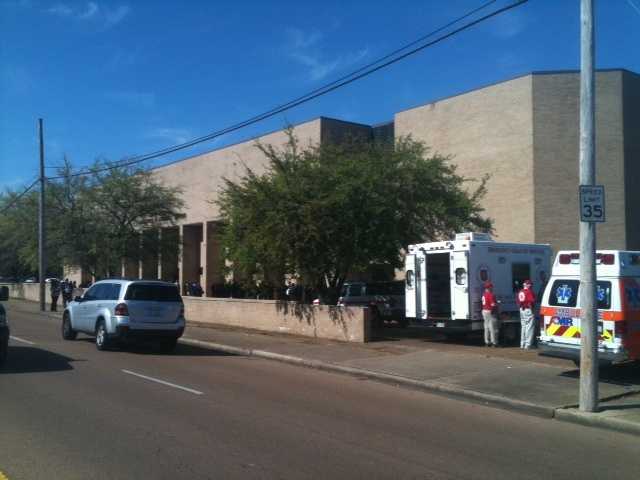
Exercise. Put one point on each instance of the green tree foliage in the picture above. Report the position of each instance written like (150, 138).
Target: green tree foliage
(327, 211)
(93, 221)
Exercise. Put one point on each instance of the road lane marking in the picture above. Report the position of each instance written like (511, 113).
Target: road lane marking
(18, 339)
(157, 380)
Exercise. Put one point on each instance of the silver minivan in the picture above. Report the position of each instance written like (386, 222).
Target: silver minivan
(116, 311)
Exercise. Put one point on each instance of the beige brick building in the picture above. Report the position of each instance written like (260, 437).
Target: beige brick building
(523, 132)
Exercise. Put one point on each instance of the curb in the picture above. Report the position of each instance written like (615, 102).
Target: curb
(594, 420)
(430, 387)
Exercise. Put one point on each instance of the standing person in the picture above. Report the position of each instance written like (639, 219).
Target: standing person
(55, 294)
(196, 289)
(490, 315)
(67, 292)
(526, 300)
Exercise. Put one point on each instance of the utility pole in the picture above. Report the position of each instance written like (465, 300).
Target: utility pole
(589, 313)
(42, 259)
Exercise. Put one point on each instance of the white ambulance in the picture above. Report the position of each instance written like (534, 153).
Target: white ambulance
(618, 303)
(444, 281)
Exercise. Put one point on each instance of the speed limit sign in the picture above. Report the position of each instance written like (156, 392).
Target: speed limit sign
(592, 203)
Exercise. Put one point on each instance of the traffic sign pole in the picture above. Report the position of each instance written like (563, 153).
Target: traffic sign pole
(588, 323)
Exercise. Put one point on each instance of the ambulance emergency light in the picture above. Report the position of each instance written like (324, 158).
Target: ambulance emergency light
(601, 259)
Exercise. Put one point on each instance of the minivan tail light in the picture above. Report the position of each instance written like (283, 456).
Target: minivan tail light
(121, 310)
(181, 310)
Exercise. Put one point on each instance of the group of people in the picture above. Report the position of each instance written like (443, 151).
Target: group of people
(193, 289)
(525, 299)
(64, 288)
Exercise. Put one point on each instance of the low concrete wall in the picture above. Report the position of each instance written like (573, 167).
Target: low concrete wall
(334, 323)
(31, 292)
(28, 291)
(330, 322)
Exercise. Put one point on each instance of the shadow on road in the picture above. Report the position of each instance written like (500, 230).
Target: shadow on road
(150, 347)
(35, 360)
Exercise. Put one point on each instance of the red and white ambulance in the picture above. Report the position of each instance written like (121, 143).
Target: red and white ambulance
(618, 302)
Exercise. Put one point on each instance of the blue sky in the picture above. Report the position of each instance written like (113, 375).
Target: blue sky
(114, 79)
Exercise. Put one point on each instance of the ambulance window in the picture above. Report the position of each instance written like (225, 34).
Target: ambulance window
(519, 273)
(461, 276)
(603, 295)
(409, 278)
(564, 293)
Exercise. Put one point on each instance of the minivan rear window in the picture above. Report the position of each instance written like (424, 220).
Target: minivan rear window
(154, 293)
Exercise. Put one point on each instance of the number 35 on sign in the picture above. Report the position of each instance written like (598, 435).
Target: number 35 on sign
(592, 203)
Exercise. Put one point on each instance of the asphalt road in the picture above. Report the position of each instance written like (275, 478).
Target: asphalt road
(68, 411)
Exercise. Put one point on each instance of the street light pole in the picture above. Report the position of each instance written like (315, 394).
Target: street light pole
(589, 313)
(42, 260)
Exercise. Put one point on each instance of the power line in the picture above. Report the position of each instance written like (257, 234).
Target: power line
(17, 198)
(343, 81)
(634, 6)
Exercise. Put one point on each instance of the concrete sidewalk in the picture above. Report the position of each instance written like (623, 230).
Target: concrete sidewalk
(506, 377)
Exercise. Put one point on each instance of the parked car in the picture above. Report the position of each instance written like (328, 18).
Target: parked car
(385, 299)
(30, 280)
(4, 326)
(119, 311)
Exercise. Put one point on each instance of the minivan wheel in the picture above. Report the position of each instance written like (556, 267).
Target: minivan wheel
(68, 333)
(102, 337)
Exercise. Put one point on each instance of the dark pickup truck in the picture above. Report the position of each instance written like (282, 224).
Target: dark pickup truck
(4, 326)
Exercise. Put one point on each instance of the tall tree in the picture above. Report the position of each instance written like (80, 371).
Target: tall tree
(330, 210)
(95, 221)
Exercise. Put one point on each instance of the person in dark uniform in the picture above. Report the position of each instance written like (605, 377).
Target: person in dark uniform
(55, 294)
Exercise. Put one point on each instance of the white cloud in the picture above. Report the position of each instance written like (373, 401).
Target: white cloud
(114, 17)
(306, 49)
(509, 24)
(106, 17)
(136, 99)
(173, 135)
(300, 39)
(90, 12)
(61, 10)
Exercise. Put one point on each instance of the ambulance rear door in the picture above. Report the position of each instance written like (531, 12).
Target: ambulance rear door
(410, 285)
(460, 308)
(416, 286)
(561, 313)
(422, 307)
